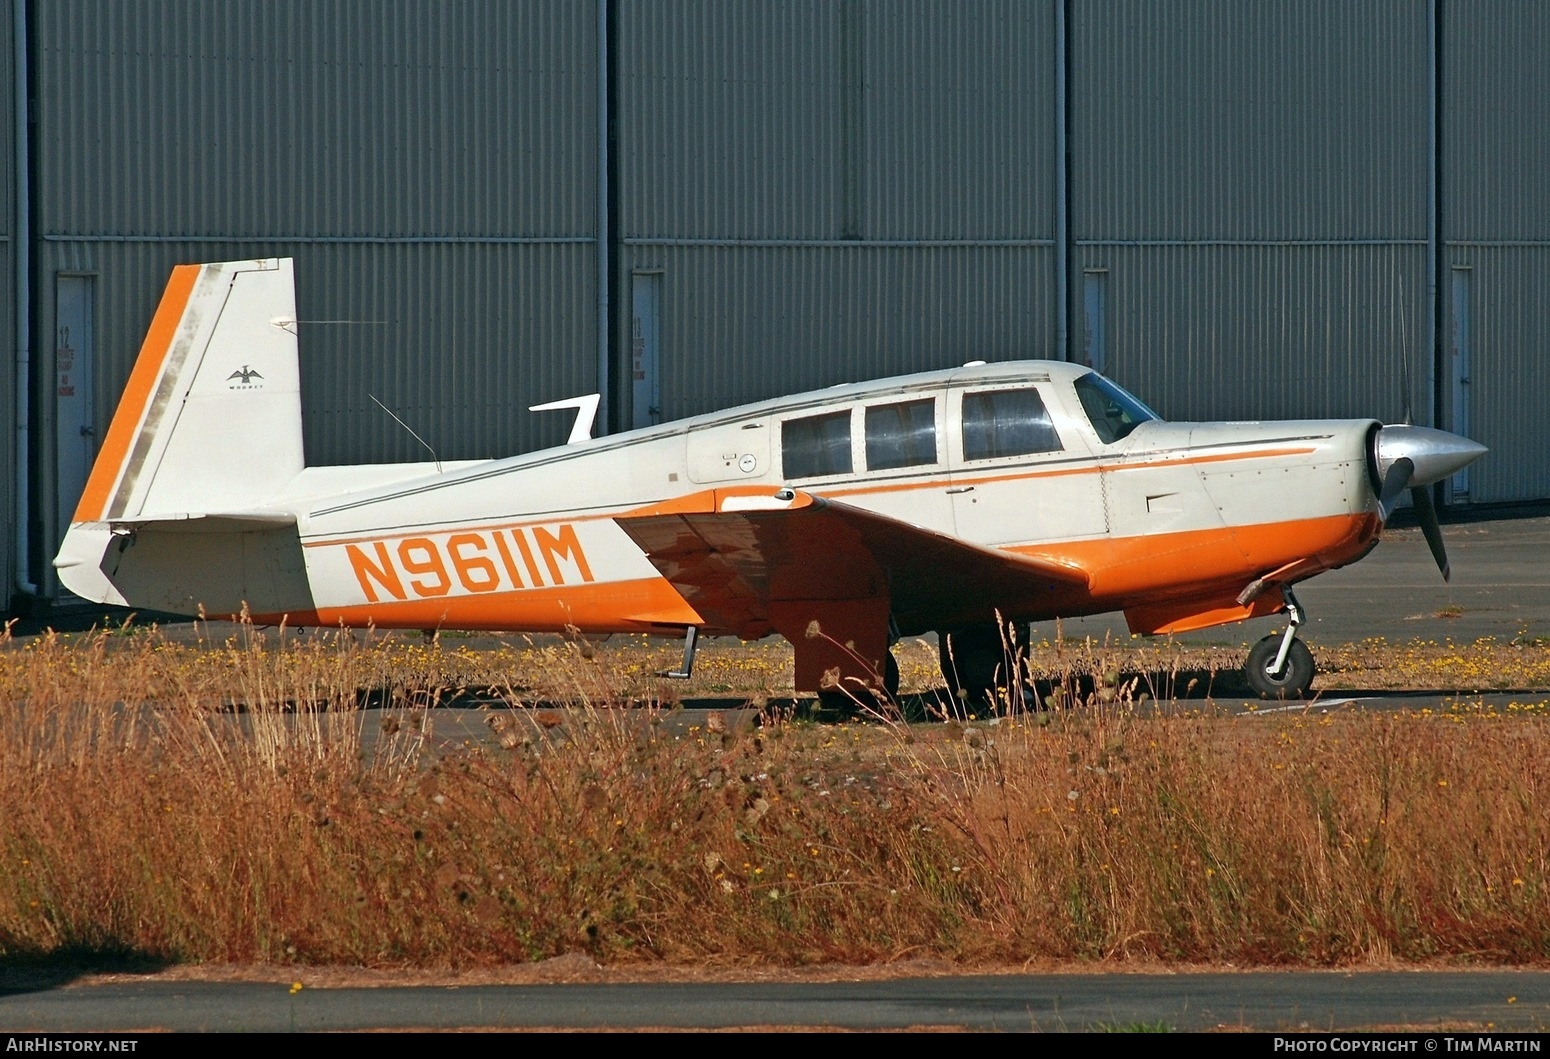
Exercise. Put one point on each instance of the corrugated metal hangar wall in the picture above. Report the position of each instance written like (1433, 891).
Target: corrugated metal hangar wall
(1237, 210)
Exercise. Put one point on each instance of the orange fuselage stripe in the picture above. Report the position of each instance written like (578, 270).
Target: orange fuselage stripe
(120, 438)
(615, 606)
(1125, 572)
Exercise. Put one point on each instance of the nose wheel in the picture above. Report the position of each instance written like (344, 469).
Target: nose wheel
(1281, 667)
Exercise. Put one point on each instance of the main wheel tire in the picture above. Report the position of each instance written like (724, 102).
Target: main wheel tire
(1294, 681)
(836, 706)
(980, 664)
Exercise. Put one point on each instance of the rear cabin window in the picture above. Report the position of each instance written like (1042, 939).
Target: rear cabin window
(816, 446)
(1006, 423)
(901, 435)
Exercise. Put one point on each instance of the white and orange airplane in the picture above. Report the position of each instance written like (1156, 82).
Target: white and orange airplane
(949, 501)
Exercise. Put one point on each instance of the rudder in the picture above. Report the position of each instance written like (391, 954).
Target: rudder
(210, 419)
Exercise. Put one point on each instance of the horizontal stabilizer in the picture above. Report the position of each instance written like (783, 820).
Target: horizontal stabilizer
(208, 522)
(216, 564)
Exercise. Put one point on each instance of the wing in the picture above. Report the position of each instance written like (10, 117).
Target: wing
(733, 554)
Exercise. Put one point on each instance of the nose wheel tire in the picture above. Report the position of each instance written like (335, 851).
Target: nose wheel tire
(1296, 677)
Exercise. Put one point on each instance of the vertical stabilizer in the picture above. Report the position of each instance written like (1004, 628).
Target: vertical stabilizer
(210, 419)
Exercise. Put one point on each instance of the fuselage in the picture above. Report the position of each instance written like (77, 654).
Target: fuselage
(1170, 521)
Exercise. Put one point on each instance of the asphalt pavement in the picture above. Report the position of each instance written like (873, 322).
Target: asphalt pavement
(1439, 1002)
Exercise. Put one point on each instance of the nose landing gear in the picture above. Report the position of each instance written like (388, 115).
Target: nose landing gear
(1281, 667)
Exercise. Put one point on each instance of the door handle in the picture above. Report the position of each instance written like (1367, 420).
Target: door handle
(960, 489)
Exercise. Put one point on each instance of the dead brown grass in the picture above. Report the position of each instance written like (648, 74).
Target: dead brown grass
(225, 805)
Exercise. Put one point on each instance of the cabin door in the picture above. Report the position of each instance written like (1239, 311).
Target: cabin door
(1017, 475)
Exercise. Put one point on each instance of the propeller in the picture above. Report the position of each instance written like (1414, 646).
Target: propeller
(1414, 458)
(1417, 457)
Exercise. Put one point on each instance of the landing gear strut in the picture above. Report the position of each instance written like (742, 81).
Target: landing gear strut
(1281, 667)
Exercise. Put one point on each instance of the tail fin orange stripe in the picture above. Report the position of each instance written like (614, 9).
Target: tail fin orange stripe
(137, 395)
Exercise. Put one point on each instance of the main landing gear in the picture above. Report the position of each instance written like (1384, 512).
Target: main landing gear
(1281, 667)
(983, 664)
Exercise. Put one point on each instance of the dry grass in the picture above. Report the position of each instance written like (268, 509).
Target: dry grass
(224, 804)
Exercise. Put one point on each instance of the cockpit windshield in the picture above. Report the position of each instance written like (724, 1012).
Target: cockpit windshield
(1114, 413)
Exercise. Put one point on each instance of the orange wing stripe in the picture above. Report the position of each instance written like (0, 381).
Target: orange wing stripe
(137, 395)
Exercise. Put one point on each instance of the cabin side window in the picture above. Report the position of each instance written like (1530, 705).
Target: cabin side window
(816, 446)
(1006, 423)
(901, 435)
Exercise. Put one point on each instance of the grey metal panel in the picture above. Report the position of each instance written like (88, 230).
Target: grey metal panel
(7, 131)
(1496, 110)
(8, 421)
(959, 119)
(750, 120)
(8, 424)
(1266, 332)
(729, 119)
(1496, 221)
(1217, 119)
(225, 118)
(1510, 336)
(457, 339)
(745, 323)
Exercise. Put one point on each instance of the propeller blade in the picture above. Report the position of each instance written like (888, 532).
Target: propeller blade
(1426, 513)
(1394, 482)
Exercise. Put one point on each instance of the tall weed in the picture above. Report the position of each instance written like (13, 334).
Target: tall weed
(228, 805)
